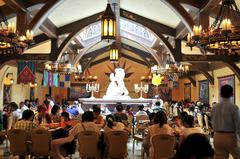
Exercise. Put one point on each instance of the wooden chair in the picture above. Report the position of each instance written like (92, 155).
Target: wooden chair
(117, 144)
(200, 120)
(163, 146)
(18, 142)
(138, 132)
(41, 142)
(88, 144)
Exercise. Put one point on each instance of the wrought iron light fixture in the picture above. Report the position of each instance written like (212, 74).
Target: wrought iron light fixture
(10, 41)
(108, 24)
(63, 68)
(221, 37)
(114, 53)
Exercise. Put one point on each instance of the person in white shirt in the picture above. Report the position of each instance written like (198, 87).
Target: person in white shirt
(141, 111)
(23, 107)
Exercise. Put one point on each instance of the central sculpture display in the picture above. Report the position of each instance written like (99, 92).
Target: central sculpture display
(116, 88)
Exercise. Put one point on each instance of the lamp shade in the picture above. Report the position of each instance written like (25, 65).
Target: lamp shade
(108, 24)
(114, 53)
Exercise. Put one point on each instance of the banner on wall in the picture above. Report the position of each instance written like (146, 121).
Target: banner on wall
(50, 79)
(64, 81)
(26, 72)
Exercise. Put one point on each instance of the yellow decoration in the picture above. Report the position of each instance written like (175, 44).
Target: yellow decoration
(157, 79)
(8, 81)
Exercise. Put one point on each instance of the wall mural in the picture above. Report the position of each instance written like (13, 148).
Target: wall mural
(230, 80)
(78, 90)
(187, 91)
(204, 91)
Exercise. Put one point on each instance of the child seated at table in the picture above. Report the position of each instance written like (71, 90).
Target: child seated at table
(66, 122)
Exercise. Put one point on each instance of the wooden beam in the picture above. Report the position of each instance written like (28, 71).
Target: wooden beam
(25, 57)
(39, 39)
(193, 81)
(194, 3)
(74, 29)
(99, 61)
(153, 25)
(157, 28)
(208, 76)
(43, 13)
(80, 24)
(16, 5)
(47, 26)
(21, 22)
(209, 58)
(142, 54)
(54, 47)
(180, 12)
(135, 60)
(234, 68)
(123, 55)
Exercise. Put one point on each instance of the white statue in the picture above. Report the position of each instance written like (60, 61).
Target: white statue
(116, 88)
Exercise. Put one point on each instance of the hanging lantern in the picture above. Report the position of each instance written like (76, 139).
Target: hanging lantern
(108, 24)
(114, 53)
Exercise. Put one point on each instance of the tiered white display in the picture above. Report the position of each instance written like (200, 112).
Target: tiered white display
(116, 88)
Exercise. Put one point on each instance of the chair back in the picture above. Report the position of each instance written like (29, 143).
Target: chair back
(163, 146)
(140, 118)
(18, 141)
(117, 144)
(200, 120)
(206, 122)
(41, 142)
(88, 144)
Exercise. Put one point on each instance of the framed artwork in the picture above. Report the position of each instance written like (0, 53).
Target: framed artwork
(204, 91)
(6, 94)
(187, 91)
(78, 90)
(230, 80)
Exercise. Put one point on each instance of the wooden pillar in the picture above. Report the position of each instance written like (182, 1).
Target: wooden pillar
(21, 22)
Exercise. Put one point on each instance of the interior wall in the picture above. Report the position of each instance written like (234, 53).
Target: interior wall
(20, 92)
(178, 93)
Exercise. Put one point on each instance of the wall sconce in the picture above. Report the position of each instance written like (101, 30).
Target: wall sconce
(8, 80)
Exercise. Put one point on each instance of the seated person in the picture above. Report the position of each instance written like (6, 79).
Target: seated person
(112, 124)
(123, 116)
(55, 114)
(65, 120)
(159, 127)
(98, 119)
(151, 117)
(42, 116)
(177, 125)
(87, 124)
(26, 123)
(141, 111)
(188, 123)
(73, 110)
